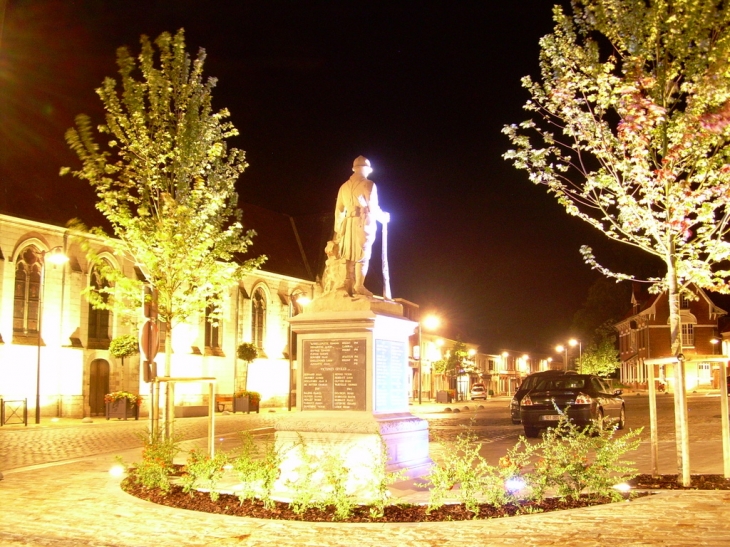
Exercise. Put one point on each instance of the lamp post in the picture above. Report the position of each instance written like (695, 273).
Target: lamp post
(55, 256)
(430, 322)
(573, 342)
(504, 368)
(561, 348)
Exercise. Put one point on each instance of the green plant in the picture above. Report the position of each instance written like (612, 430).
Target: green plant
(253, 396)
(156, 467)
(584, 461)
(202, 471)
(117, 395)
(257, 469)
(381, 480)
(124, 346)
(247, 352)
(461, 465)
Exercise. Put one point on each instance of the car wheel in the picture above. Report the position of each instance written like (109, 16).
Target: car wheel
(531, 432)
(622, 418)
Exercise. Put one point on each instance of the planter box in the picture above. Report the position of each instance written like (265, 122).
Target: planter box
(243, 404)
(191, 411)
(122, 409)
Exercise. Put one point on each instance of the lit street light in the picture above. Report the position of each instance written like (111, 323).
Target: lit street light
(561, 348)
(55, 256)
(573, 342)
(430, 322)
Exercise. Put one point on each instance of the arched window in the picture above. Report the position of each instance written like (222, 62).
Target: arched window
(212, 332)
(99, 319)
(27, 292)
(258, 318)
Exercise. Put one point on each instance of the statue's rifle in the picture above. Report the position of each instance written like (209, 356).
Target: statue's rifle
(386, 271)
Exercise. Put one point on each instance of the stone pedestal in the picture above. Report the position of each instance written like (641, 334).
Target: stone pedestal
(353, 393)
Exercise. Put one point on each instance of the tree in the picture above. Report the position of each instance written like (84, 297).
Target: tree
(246, 352)
(607, 302)
(164, 178)
(600, 357)
(632, 119)
(123, 346)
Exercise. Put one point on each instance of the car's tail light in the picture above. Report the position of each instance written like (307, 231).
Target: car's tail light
(583, 399)
(526, 401)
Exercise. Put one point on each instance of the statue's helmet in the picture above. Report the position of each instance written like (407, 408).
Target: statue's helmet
(361, 161)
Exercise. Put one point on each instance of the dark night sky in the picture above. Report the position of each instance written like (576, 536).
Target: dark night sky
(420, 88)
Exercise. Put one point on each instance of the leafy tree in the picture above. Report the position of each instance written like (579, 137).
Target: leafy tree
(164, 178)
(246, 352)
(600, 357)
(607, 302)
(632, 119)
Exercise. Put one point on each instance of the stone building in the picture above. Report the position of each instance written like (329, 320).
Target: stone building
(54, 346)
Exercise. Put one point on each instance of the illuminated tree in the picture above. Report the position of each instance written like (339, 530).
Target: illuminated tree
(631, 128)
(630, 131)
(164, 178)
(600, 357)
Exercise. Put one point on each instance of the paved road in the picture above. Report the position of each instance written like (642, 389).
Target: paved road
(75, 503)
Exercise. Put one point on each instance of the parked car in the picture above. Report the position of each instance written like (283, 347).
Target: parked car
(585, 398)
(478, 391)
(524, 388)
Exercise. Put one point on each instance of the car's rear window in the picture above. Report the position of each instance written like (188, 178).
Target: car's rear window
(570, 382)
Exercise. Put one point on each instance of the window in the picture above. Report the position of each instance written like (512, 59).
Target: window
(99, 319)
(212, 332)
(27, 292)
(258, 318)
(688, 334)
(683, 302)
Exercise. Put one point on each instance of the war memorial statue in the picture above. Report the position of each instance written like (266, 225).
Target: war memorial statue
(357, 213)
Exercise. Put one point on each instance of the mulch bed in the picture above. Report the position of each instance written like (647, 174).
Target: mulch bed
(672, 482)
(228, 504)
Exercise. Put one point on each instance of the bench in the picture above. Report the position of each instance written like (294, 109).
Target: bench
(221, 401)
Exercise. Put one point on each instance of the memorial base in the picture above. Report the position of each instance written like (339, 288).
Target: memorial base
(366, 446)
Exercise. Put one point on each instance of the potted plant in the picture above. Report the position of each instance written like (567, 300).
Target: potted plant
(124, 346)
(246, 352)
(246, 401)
(122, 404)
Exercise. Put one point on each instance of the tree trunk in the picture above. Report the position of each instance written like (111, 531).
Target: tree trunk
(680, 395)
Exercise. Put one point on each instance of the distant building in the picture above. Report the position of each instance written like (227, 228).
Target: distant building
(644, 334)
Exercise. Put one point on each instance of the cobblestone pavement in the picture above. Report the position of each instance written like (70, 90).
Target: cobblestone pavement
(78, 504)
(67, 439)
(63, 496)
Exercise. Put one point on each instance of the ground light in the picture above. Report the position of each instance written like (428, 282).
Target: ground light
(117, 470)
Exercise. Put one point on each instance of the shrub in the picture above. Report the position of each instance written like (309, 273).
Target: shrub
(202, 471)
(156, 467)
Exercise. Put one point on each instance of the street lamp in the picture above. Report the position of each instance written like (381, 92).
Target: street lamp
(505, 354)
(55, 256)
(573, 342)
(430, 322)
(560, 348)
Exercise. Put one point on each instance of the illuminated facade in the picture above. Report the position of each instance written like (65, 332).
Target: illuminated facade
(644, 334)
(48, 326)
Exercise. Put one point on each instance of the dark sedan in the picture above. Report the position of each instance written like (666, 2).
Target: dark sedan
(525, 387)
(585, 398)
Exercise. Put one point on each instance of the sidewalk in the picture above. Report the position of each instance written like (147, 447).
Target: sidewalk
(77, 503)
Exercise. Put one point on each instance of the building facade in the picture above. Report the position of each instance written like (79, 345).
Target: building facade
(644, 334)
(54, 346)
